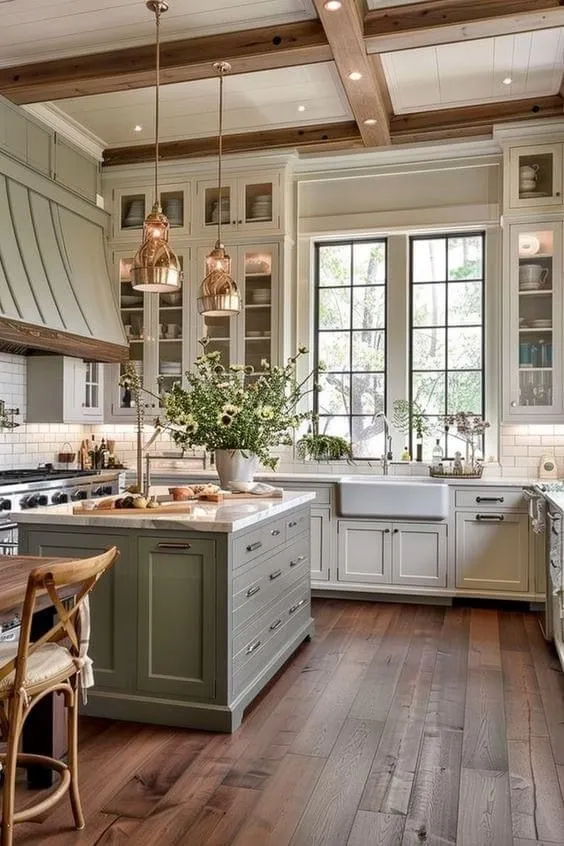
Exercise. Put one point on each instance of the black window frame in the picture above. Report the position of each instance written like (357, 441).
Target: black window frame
(350, 242)
(448, 235)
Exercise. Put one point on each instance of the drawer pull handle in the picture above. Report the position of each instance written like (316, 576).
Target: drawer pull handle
(297, 561)
(490, 499)
(252, 546)
(254, 646)
(174, 546)
(252, 590)
(275, 575)
(498, 517)
(275, 533)
(295, 607)
(275, 625)
(292, 523)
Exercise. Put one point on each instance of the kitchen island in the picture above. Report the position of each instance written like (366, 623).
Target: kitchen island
(199, 612)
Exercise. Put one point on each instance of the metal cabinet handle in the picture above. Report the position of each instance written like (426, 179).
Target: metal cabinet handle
(275, 625)
(253, 647)
(296, 561)
(498, 517)
(292, 523)
(296, 606)
(490, 499)
(251, 591)
(275, 533)
(252, 546)
(275, 575)
(174, 545)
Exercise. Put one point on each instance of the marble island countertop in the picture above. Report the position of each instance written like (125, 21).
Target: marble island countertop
(203, 516)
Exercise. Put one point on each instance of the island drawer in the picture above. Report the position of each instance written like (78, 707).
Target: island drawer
(264, 581)
(491, 497)
(297, 523)
(259, 541)
(259, 642)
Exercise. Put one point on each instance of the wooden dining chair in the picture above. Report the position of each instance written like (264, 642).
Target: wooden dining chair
(29, 671)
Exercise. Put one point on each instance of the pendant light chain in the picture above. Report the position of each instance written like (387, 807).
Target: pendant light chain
(220, 151)
(157, 93)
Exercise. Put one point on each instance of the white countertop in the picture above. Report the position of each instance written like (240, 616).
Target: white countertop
(203, 517)
(555, 497)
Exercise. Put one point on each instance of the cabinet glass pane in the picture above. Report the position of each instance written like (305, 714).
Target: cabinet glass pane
(211, 205)
(258, 202)
(536, 175)
(535, 315)
(258, 307)
(172, 203)
(170, 335)
(131, 308)
(132, 212)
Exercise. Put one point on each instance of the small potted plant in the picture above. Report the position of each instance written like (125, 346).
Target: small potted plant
(316, 447)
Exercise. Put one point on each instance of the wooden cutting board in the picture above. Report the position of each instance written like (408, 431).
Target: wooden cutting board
(173, 507)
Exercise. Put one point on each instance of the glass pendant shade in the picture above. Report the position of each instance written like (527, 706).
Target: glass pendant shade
(218, 292)
(156, 267)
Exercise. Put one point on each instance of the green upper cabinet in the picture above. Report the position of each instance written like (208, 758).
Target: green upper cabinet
(177, 617)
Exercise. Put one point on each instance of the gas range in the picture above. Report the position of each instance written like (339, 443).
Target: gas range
(31, 488)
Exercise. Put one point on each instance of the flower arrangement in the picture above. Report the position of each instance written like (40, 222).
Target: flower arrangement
(223, 409)
(469, 427)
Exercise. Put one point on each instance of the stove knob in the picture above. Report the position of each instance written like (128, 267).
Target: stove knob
(107, 490)
(5, 504)
(98, 491)
(79, 495)
(33, 501)
(59, 498)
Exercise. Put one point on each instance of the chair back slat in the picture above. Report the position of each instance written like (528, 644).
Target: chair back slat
(53, 579)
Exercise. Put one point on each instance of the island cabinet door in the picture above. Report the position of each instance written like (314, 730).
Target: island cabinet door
(113, 614)
(177, 617)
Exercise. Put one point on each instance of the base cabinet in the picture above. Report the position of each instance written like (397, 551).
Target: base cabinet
(321, 544)
(392, 553)
(492, 551)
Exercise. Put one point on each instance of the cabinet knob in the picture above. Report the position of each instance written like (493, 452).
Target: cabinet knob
(233, 222)
(396, 531)
(557, 194)
(513, 404)
(386, 531)
(239, 221)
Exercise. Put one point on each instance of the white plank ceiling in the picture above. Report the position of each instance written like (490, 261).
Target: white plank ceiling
(262, 100)
(472, 72)
(37, 30)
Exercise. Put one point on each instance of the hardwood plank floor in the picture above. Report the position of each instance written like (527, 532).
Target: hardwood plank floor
(398, 725)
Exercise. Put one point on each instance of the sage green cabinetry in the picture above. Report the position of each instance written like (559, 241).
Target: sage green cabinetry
(177, 590)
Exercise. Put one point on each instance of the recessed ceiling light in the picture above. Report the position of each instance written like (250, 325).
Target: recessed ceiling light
(301, 108)
(332, 5)
(137, 128)
(355, 75)
(507, 80)
(370, 121)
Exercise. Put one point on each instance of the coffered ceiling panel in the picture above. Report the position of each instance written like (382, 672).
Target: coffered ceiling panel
(473, 72)
(37, 30)
(262, 100)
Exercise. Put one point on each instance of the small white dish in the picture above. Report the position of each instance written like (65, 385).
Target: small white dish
(529, 245)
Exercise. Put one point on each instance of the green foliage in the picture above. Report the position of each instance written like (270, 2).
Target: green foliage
(323, 447)
(223, 409)
(409, 416)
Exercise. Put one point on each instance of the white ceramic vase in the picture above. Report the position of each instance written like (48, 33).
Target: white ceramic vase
(235, 465)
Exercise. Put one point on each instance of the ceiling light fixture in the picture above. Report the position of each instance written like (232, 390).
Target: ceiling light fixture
(137, 128)
(218, 291)
(355, 75)
(156, 267)
(301, 108)
(507, 80)
(332, 5)
(370, 121)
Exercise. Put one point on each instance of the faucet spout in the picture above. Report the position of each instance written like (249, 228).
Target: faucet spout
(387, 455)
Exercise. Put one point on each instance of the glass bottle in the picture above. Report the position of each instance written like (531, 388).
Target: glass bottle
(437, 454)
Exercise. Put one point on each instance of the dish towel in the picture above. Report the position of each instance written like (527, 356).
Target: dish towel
(83, 661)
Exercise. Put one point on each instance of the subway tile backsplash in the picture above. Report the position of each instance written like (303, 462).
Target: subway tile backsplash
(521, 446)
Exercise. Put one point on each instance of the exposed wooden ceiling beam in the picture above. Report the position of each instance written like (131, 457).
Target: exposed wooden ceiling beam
(297, 137)
(466, 121)
(287, 45)
(445, 21)
(344, 33)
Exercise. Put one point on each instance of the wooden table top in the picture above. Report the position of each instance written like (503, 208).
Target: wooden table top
(14, 572)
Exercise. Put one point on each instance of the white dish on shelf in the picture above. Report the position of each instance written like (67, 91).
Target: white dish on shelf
(130, 300)
(529, 245)
(541, 323)
(530, 195)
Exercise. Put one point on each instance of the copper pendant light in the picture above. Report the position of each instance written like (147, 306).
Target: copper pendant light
(218, 292)
(156, 267)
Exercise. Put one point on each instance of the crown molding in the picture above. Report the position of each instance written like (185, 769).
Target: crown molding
(62, 124)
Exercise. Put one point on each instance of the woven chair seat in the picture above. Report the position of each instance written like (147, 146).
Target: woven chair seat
(48, 662)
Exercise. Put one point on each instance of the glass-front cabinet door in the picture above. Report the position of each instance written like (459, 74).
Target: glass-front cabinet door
(221, 332)
(258, 268)
(171, 335)
(259, 203)
(535, 322)
(535, 176)
(208, 206)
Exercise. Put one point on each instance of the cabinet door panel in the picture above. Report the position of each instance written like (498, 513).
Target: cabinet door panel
(176, 617)
(419, 554)
(364, 551)
(492, 554)
(320, 544)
